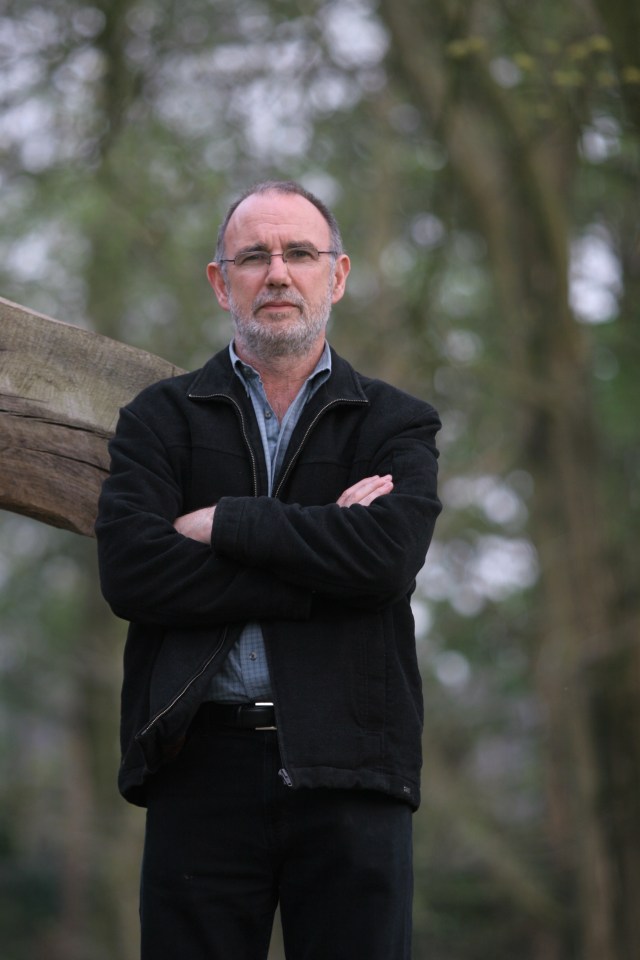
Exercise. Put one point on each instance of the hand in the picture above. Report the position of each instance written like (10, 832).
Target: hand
(366, 491)
(196, 525)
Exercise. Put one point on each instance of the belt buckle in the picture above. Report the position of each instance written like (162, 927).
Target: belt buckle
(263, 703)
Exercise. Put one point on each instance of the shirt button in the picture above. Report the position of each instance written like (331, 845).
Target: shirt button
(253, 655)
(268, 414)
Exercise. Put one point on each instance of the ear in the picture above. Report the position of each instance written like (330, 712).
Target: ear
(217, 281)
(342, 268)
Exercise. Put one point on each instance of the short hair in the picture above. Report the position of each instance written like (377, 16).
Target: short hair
(280, 186)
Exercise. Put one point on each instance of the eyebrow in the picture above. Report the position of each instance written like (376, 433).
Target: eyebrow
(251, 247)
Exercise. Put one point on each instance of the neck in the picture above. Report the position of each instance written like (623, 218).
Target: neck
(282, 377)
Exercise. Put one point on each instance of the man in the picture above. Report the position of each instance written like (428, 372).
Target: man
(261, 529)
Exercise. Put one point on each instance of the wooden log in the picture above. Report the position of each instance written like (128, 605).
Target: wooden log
(61, 388)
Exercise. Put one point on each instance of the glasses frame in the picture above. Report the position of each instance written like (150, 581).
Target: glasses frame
(269, 256)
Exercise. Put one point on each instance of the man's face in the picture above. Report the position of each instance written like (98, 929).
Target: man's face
(281, 309)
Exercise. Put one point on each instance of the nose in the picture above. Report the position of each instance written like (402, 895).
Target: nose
(278, 272)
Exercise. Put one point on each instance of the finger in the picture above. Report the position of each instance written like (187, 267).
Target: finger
(361, 488)
(380, 492)
(385, 486)
(365, 491)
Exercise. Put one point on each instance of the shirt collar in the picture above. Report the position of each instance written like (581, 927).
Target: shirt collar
(245, 370)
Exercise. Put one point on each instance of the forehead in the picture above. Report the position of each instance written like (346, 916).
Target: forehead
(273, 217)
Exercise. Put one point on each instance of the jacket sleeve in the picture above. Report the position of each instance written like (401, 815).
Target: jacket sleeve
(149, 573)
(370, 553)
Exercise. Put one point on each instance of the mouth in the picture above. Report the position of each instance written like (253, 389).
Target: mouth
(277, 306)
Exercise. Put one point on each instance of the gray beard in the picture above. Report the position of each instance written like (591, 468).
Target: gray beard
(269, 341)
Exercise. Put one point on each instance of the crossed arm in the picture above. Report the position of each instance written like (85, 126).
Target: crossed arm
(261, 557)
(199, 524)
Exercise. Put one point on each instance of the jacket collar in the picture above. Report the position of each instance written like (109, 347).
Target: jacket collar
(217, 378)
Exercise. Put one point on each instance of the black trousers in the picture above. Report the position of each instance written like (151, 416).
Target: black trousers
(226, 840)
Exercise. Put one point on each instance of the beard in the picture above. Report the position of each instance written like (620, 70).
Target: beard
(270, 339)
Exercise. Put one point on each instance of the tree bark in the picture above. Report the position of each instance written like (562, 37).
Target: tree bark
(61, 388)
(526, 227)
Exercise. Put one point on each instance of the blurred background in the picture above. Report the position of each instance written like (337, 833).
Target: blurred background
(482, 157)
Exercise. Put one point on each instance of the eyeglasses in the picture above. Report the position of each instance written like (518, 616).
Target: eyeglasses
(292, 256)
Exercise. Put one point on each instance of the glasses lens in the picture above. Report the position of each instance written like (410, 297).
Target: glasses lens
(300, 255)
(253, 258)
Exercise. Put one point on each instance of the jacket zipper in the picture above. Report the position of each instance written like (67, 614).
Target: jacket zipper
(245, 436)
(186, 687)
(188, 684)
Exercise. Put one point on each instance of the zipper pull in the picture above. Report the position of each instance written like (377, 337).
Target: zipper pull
(284, 776)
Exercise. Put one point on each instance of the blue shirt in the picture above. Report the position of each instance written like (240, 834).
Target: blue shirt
(245, 673)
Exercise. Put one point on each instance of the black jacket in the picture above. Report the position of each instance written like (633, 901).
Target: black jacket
(329, 585)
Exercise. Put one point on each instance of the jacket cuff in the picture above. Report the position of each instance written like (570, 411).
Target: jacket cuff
(243, 527)
(225, 539)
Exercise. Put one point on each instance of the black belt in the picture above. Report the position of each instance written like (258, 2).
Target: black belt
(242, 716)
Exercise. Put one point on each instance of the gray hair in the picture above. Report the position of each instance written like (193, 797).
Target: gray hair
(280, 186)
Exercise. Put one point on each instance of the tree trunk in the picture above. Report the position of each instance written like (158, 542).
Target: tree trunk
(520, 200)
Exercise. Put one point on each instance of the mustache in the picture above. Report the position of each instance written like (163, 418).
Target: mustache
(275, 296)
